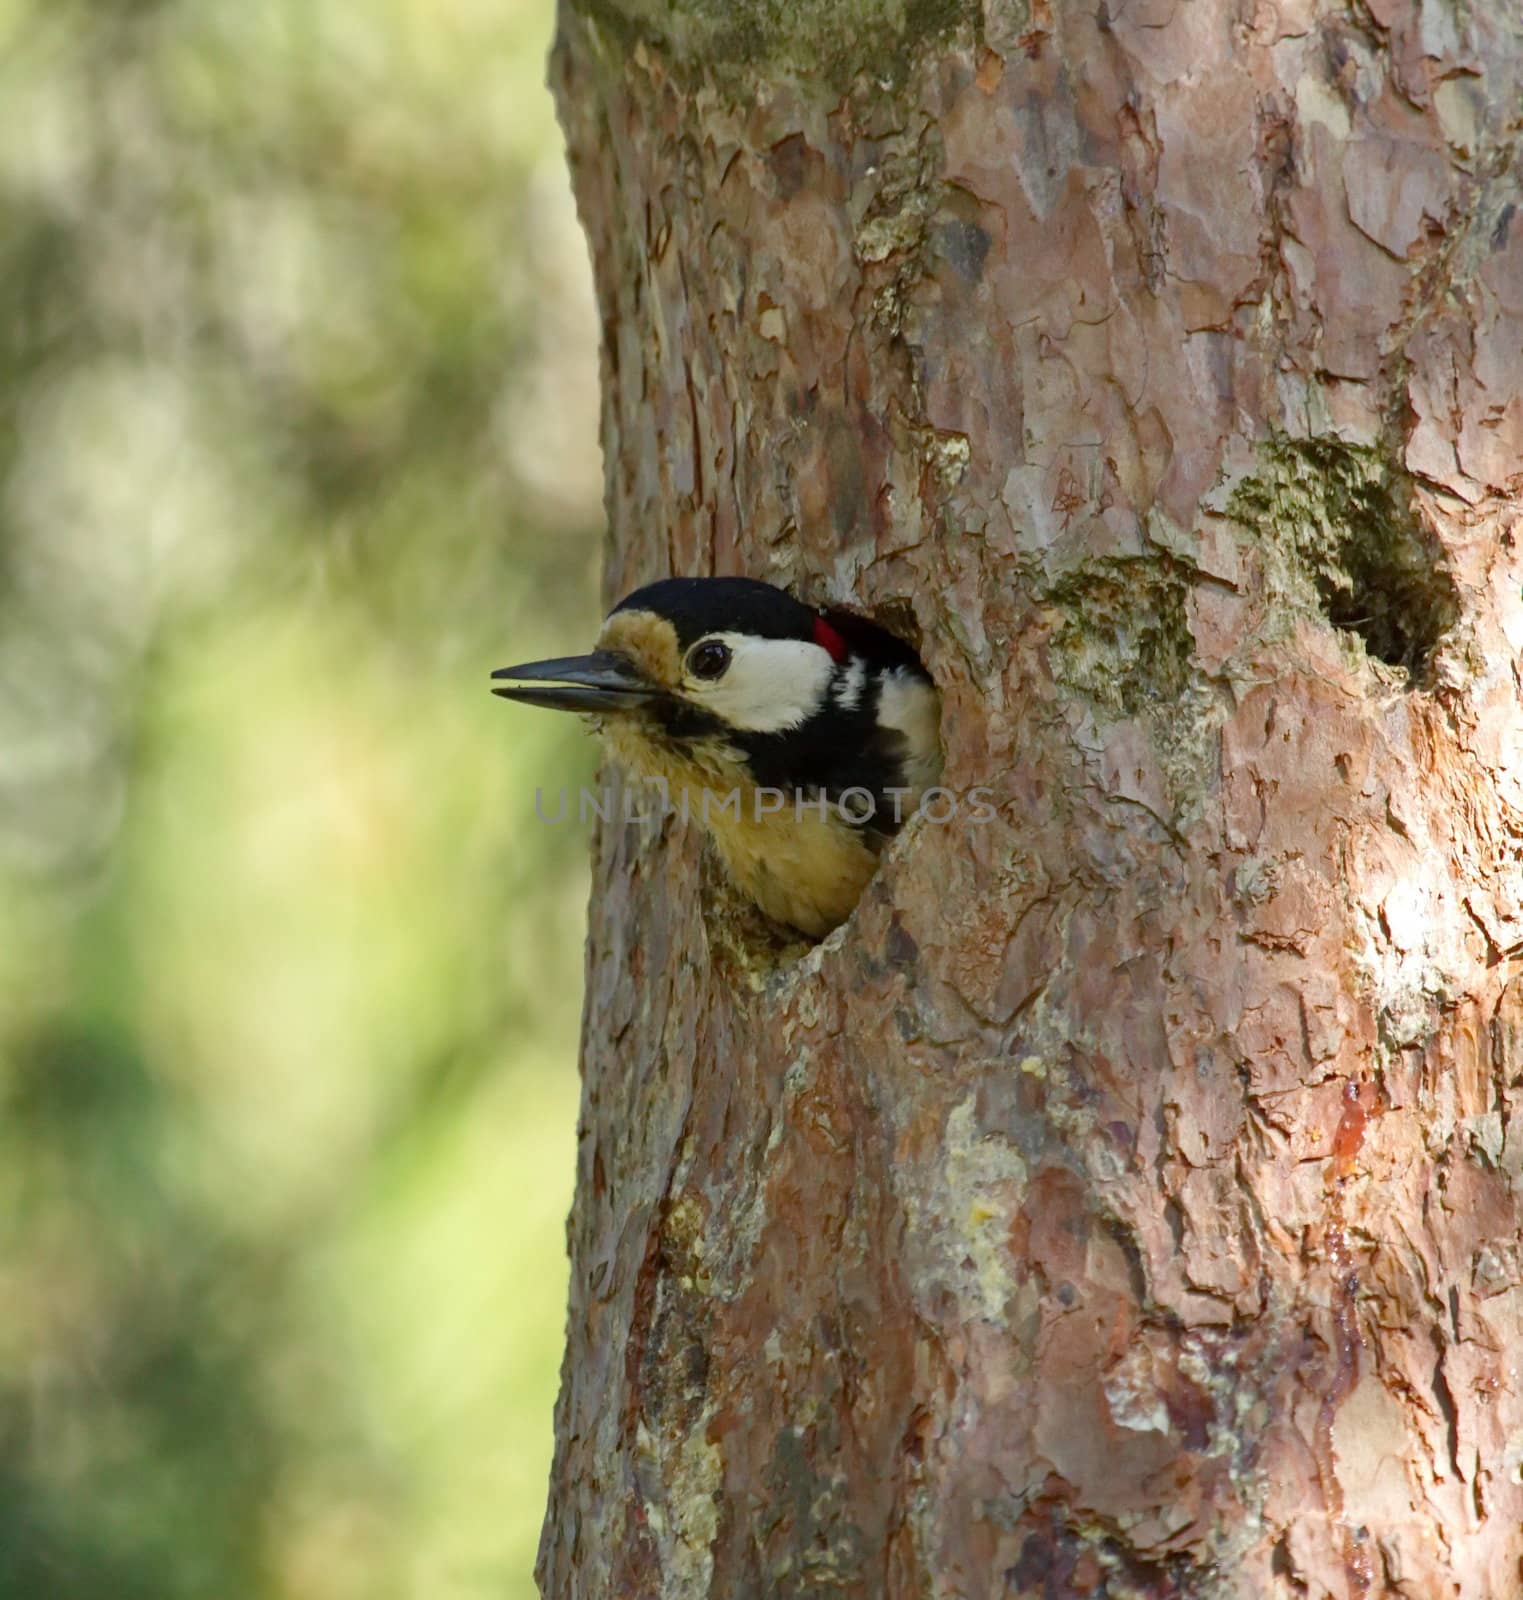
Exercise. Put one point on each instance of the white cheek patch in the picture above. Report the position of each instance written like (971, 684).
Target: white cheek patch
(771, 684)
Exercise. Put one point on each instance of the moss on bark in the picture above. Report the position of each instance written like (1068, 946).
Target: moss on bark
(831, 43)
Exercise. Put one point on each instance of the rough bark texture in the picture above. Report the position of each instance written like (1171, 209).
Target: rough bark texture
(1126, 1201)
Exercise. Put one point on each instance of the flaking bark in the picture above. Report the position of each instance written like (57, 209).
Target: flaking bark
(1126, 1201)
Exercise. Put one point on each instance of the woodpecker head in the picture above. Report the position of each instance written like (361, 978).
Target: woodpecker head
(726, 689)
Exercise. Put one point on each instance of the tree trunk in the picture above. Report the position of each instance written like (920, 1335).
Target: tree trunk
(1126, 1201)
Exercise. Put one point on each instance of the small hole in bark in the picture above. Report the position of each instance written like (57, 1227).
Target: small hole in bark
(1377, 572)
(1281, 1565)
(1384, 578)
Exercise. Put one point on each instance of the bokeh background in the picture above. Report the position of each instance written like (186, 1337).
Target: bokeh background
(297, 442)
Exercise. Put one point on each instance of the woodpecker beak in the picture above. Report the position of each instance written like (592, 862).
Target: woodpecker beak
(599, 682)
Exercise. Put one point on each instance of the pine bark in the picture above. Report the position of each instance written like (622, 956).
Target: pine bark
(1126, 1201)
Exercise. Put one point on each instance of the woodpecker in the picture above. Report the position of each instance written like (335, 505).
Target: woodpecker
(801, 739)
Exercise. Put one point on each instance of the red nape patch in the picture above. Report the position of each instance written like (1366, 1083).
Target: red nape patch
(827, 638)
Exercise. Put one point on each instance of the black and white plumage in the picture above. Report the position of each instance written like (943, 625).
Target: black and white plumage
(802, 739)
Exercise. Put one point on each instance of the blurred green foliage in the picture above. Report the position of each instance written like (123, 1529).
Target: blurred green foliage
(297, 411)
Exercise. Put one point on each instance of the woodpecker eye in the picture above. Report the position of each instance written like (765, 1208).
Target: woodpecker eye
(709, 659)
